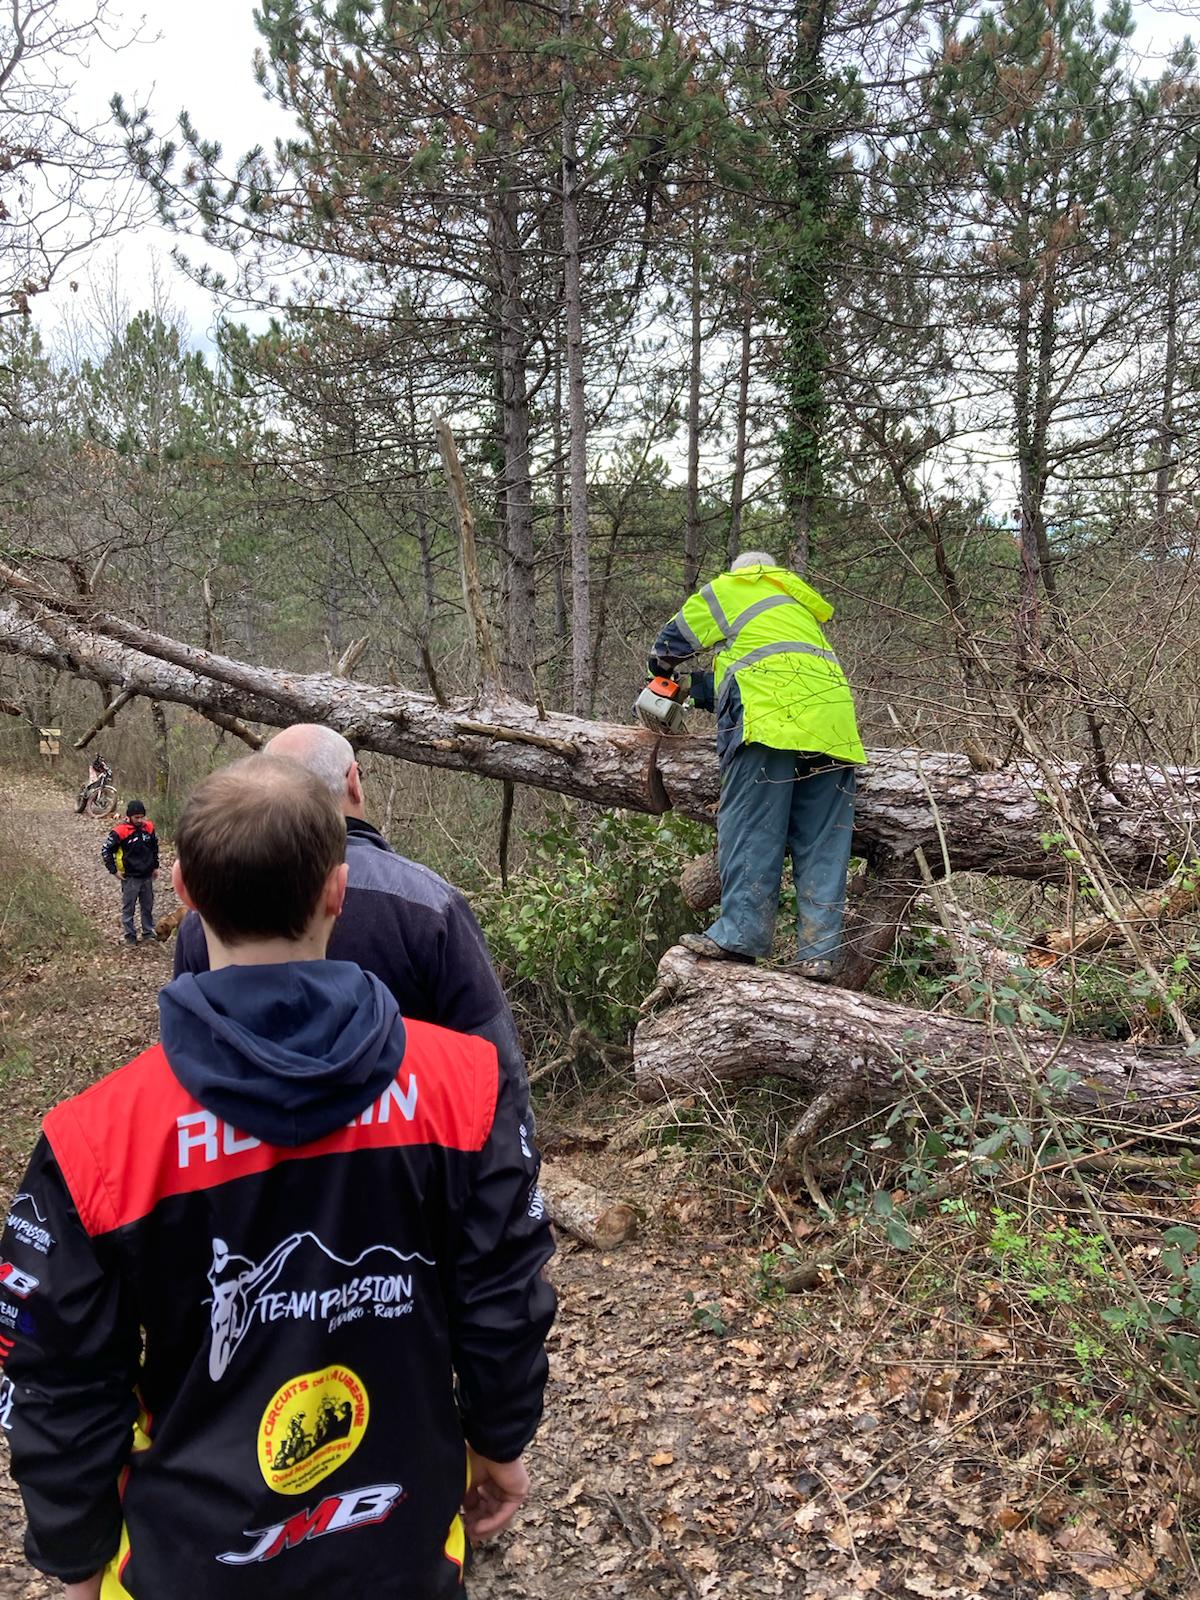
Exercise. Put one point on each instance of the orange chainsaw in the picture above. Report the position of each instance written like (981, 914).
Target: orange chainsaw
(660, 704)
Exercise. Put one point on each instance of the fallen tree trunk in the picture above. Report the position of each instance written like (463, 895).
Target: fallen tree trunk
(989, 821)
(718, 1022)
(585, 1212)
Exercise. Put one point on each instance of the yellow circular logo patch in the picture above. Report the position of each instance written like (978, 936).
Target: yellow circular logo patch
(313, 1424)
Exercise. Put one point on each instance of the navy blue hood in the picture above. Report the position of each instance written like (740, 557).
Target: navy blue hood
(286, 1053)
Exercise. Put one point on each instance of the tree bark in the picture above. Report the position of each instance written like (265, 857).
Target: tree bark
(874, 917)
(989, 821)
(700, 883)
(726, 1023)
(425, 543)
(691, 527)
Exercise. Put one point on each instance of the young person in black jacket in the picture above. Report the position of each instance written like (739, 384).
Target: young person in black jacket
(272, 1300)
(400, 921)
(131, 853)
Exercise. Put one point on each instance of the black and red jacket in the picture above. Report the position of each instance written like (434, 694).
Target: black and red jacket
(131, 849)
(231, 1337)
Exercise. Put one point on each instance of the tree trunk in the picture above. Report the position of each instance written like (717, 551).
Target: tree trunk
(581, 593)
(162, 752)
(803, 294)
(990, 821)
(558, 479)
(464, 524)
(425, 543)
(691, 527)
(727, 1023)
(518, 488)
(738, 487)
(875, 913)
(1166, 420)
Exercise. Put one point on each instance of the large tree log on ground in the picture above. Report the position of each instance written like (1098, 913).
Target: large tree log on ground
(723, 1023)
(991, 821)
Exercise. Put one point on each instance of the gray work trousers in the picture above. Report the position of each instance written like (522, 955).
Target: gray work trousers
(137, 892)
(776, 803)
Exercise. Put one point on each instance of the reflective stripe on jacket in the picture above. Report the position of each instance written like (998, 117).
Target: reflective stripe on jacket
(773, 664)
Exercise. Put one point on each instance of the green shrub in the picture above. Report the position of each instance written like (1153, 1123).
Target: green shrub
(579, 932)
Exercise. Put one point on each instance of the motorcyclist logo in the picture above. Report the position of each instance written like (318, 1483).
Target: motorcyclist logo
(313, 1424)
(319, 1286)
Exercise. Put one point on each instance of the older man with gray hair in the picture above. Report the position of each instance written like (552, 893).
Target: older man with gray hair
(788, 746)
(401, 921)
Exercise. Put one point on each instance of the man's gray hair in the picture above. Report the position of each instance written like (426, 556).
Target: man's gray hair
(753, 558)
(322, 751)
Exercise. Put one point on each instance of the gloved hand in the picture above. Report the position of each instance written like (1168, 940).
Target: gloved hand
(660, 666)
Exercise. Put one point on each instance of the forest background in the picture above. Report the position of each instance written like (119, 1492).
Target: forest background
(904, 293)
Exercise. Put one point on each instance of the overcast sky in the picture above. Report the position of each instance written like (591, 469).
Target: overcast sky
(194, 57)
(199, 56)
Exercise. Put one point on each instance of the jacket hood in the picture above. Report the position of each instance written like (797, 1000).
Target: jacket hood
(783, 578)
(286, 1053)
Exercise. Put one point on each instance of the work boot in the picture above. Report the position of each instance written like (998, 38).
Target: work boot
(149, 938)
(701, 945)
(819, 971)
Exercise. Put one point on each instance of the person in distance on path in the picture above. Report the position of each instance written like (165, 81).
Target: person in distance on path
(273, 1305)
(131, 853)
(400, 921)
(788, 746)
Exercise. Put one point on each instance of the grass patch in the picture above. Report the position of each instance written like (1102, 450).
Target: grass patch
(38, 918)
(48, 981)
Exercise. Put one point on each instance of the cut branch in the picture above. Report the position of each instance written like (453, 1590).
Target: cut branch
(106, 716)
(238, 729)
(1160, 905)
(585, 1212)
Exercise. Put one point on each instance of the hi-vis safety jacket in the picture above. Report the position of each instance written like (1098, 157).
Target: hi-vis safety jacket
(775, 679)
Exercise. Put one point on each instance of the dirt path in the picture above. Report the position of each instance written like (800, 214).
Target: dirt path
(699, 1438)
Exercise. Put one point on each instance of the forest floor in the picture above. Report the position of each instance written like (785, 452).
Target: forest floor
(704, 1435)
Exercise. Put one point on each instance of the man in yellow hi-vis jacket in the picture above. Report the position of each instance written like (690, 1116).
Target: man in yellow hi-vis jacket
(788, 746)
